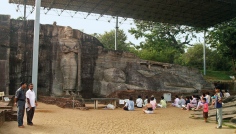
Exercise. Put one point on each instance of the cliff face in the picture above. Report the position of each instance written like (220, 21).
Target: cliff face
(99, 71)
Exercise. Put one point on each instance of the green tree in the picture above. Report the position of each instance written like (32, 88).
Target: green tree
(223, 38)
(194, 58)
(163, 42)
(108, 40)
(162, 35)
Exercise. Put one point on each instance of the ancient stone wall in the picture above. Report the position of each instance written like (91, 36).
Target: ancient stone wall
(4, 53)
(16, 46)
(99, 71)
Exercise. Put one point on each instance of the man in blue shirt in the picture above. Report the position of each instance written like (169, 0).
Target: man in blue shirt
(218, 106)
(20, 102)
(129, 106)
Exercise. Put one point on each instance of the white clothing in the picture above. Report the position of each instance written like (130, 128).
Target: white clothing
(110, 106)
(139, 102)
(31, 96)
(148, 112)
(226, 95)
(176, 101)
(145, 102)
(208, 98)
(181, 102)
(130, 105)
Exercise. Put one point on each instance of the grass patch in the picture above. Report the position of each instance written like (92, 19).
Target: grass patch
(229, 126)
(218, 75)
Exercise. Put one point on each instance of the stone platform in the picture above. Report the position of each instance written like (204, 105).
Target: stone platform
(8, 112)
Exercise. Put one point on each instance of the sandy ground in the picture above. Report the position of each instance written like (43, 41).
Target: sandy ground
(50, 119)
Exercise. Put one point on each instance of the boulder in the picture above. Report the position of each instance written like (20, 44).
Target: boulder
(230, 99)
(114, 75)
(233, 120)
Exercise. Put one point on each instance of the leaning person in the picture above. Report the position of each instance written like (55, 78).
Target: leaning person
(20, 103)
(30, 105)
(129, 106)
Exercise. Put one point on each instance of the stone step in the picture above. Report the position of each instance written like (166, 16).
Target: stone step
(5, 107)
(9, 116)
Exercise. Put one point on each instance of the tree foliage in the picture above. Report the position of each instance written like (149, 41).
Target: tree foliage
(108, 40)
(194, 58)
(162, 34)
(163, 42)
(223, 38)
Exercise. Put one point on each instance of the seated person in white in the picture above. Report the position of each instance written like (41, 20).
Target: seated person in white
(162, 103)
(129, 106)
(145, 101)
(176, 101)
(181, 102)
(208, 97)
(148, 109)
(226, 94)
(139, 102)
(110, 106)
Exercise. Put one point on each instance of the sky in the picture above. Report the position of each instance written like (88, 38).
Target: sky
(89, 25)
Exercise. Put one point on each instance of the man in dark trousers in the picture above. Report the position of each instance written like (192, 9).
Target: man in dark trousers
(30, 105)
(20, 103)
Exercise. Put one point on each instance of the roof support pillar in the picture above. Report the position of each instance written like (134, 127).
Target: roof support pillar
(116, 32)
(36, 46)
(204, 53)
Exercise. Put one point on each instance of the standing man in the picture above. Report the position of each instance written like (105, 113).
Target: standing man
(30, 105)
(218, 106)
(20, 103)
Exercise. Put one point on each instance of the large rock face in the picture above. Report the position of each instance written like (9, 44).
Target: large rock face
(96, 71)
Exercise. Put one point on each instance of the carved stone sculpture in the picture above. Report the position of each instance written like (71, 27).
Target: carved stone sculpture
(70, 62)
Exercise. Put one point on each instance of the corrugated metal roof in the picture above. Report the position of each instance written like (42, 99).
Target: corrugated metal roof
(198, 13)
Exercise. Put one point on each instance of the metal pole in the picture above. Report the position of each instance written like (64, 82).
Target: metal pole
(36, 46)
(25, 71)
(204, 54)
(116, 33)
(25, 1)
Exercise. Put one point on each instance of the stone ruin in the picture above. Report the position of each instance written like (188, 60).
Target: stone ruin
(72, 62)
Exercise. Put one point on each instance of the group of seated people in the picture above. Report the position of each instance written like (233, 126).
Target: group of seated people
(148, 105)
(194, 102)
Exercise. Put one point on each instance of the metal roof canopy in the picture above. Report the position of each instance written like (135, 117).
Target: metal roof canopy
(197, 13)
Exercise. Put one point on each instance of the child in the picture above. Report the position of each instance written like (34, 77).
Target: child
(205, 109)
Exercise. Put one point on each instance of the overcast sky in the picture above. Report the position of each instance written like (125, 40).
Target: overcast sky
(89, 25)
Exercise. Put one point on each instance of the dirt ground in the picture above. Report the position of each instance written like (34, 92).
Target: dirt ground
(50, 119)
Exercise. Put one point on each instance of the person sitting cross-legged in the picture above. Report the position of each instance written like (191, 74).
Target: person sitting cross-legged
(162, 103)
(129, 106)
(148, 109)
